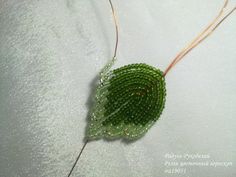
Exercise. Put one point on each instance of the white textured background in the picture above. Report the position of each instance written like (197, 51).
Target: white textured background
(50, 54)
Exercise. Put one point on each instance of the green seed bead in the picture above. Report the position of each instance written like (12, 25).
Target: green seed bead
(129, 100)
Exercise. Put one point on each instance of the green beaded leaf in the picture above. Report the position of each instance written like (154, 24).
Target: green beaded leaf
(129, 100)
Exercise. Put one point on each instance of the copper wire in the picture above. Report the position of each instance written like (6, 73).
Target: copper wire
(114, 56)
(116, 27)
(207, 32)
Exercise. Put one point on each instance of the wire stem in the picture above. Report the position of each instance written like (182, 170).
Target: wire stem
(77, 159)
(116, 27)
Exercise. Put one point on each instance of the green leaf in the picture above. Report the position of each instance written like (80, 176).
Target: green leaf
(129, 100)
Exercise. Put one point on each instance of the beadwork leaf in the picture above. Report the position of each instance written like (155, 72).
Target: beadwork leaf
(128, 102)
